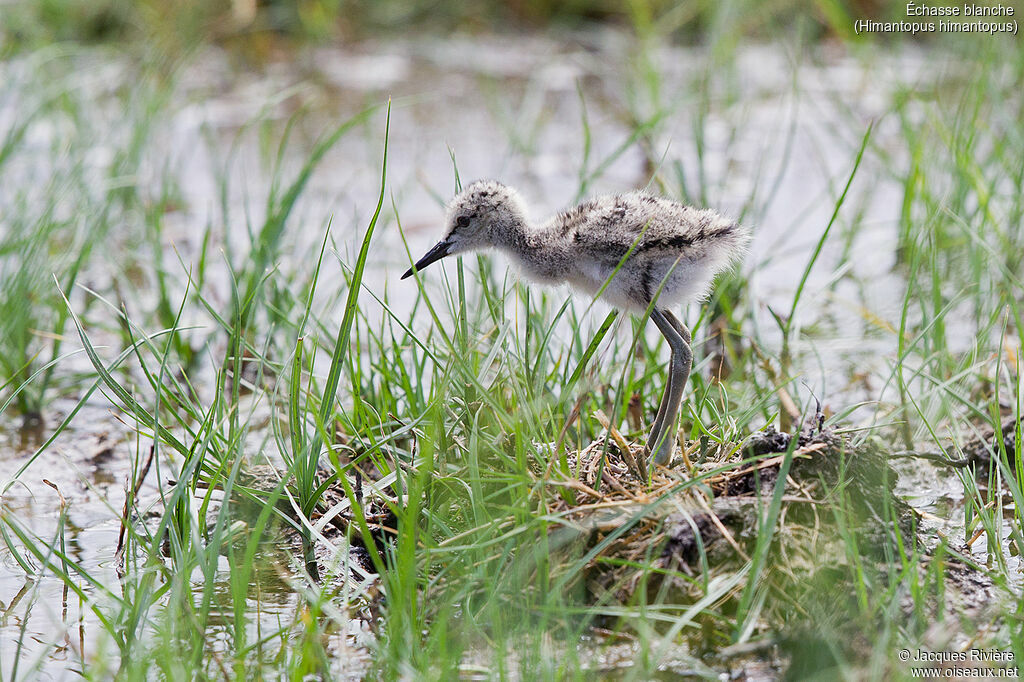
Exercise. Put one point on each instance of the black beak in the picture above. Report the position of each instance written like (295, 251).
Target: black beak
(439, 251)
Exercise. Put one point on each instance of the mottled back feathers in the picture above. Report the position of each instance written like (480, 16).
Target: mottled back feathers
(649, 246)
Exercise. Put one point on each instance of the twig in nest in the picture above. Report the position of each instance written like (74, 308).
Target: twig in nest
(627, 453)
(608, 478)
(687, 462)
(578, 485)
(767, 463)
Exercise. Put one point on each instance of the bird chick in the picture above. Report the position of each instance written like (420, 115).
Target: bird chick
(637, 251)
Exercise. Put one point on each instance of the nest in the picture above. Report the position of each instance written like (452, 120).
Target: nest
(697, 517)
(701, 514)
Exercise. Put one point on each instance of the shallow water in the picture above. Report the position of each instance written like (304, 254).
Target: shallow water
(507, 108)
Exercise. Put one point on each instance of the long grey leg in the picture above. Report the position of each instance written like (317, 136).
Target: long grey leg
(680, 327)
(654, 440)
(659, 419)
(680, 377)
(662, 438)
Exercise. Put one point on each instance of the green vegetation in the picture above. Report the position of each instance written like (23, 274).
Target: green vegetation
(248, 23)
(459, 403)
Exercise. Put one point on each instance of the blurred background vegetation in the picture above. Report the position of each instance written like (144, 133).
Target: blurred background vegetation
(29, 23)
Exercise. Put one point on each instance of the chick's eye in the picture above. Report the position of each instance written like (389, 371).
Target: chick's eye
(462, 220)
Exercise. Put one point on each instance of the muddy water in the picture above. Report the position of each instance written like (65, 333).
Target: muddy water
(775, 126)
